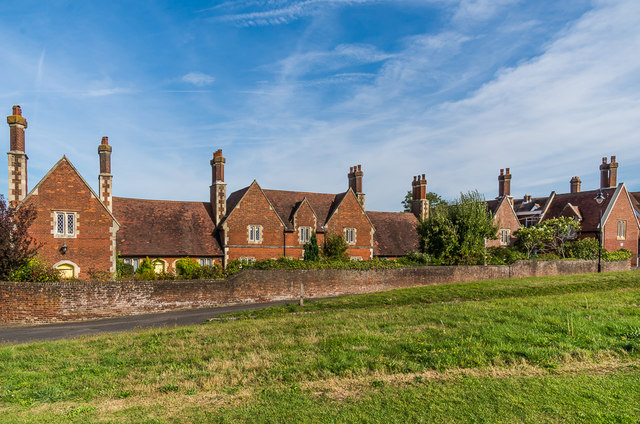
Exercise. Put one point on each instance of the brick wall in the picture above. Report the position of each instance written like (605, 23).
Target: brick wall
(50, 302)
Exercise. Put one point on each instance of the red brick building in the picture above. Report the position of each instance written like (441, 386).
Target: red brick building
(504, 215)
(83, 231)
(76, 227)
(255, 223)
(617, 214)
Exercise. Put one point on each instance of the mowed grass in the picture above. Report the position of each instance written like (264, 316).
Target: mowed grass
(553, 349)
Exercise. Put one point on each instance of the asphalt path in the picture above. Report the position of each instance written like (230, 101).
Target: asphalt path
(67, 330)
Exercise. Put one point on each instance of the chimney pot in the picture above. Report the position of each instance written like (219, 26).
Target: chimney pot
(502, 172)
(105, 140)
(17, 110)
(604, 160)
(507, 170)
(613, 159)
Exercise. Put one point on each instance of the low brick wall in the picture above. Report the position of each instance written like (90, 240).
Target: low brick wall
(51, 302)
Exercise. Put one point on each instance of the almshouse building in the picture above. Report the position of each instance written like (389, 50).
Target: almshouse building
(82, 231)
(616, 213)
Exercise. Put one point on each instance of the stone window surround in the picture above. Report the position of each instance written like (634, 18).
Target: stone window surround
(257, 228)
(54, 223)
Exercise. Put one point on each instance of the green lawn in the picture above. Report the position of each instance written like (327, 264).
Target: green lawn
(552, 349)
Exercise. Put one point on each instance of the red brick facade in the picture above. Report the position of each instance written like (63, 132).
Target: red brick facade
(86, 238)
(506, 219)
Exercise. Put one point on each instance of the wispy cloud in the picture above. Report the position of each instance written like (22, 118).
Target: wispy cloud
(198, 78)
(101, 92)
(278, 12)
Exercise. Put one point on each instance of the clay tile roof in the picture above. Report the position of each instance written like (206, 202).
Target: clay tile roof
(635, 201)
(519, 205)
(285, 203)
(164, 228)
(492, 205)
(234, 198)
(395, 233)
(583, 202)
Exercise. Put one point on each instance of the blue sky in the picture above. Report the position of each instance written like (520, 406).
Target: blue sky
(295, 92)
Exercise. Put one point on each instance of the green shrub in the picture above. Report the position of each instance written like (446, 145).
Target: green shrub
(618, 255)
(335, 247)
(95, 275)
(503, 255)
(209, 271)
(586, 248)
(123, 270)
(311, 249)
(187, 268)
(36, 270)
(414, 259)
(146, 267)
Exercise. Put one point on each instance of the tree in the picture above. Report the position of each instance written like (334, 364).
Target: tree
(550, 235)
(560, 231)
(311, 249)
(433, 198)
(454, 234)
(335, 247)
(531, 240)
(17, 247)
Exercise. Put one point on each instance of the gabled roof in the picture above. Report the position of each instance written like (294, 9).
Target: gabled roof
(537, 204)
(286, 202)
(585, 204)
(165, 228)
(73, 168)
(395, 233)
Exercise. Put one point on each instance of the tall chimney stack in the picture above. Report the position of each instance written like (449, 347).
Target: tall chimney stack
(613, 172)
(420, 204)
(105, 179)
(575, 185)
(504, 184)
(218, 188)
(355, 182)
(17, 157)
(604, 174)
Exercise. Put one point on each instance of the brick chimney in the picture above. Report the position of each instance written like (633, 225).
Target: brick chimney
(105, 179)
(604, 174)
(504, 184)
(17, 157)
(218, 188)
(575, 185)
(355, 182)
(608, 173)
(613, 172)
(419, 204)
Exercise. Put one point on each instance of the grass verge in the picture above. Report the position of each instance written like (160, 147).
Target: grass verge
(530, 350)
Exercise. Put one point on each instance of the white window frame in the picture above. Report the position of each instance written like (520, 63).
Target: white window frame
(622, 229)
(205, 261)
(530, 221)
(350, 235)
(134, 262)
(254, 234)
(505, 236)
(248, 259)
(69, 224)
(304, 234)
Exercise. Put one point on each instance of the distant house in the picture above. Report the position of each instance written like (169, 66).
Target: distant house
(619, 208)
(82, 230)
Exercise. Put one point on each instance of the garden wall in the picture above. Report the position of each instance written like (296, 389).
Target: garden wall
(71, 301)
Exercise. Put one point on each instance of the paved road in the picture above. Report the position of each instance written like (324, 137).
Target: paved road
(23, 334)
